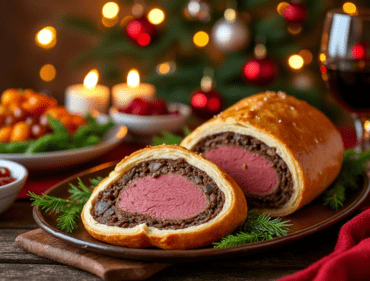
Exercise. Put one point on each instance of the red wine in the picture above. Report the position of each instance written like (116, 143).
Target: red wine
(349, 85)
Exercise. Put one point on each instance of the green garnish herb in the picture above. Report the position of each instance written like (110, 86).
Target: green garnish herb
(69, 209)
(353, 168)
(257, 227)
(169, 138)
(88, 135)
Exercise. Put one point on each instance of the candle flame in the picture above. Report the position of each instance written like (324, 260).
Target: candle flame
(91, 78)
(133, 78)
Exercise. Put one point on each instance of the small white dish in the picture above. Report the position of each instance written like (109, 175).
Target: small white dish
(146, 126)
(57, 160)
(10, 191)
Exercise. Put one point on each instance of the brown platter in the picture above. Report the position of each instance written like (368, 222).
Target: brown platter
(308, 220)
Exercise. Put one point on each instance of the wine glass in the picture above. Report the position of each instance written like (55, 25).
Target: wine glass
(345, 66)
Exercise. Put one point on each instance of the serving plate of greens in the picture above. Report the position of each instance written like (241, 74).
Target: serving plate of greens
(58, 150)
(259, 233)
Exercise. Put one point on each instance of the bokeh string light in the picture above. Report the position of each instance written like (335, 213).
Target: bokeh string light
(156, 16)
(110, 12)
(47, 72)
(46, 37)
(201, 39)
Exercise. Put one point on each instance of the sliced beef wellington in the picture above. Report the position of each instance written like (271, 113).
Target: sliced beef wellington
(281, 151)
(165, 196)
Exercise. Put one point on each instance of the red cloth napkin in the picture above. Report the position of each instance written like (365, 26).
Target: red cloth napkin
(350, 259)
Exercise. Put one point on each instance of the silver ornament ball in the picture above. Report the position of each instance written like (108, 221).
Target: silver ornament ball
(230, 36)
(198, 10)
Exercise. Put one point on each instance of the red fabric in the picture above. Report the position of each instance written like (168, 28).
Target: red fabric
(350, 258)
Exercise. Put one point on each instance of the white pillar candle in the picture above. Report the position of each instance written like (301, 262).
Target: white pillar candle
(84, 98)
(123, 94)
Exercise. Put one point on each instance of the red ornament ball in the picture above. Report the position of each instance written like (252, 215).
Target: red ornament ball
(206, 104)
(259, 72)
(295, 13)
(358, 51)
(141, 31)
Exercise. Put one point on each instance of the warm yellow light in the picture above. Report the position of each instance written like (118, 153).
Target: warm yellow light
(133, 78)
(109, 22)
(137, 10)
(295, 61)
(126, 20)
(230, 14)
(201, 39)
(110, 10)
(349, 8)
(306, 55)
(294, 29)
(46, 37)
(47, 72)
(281, 7)
(91, 78)
(367, 125)
(156, 16)
(260, 51)
(164, 68)
(322, 57)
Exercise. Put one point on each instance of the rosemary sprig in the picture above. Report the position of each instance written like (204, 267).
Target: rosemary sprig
(169, 138)
(69, 209)
(353, 167)
(257, 227)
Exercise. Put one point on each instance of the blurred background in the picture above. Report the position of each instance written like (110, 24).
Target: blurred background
(50, 45)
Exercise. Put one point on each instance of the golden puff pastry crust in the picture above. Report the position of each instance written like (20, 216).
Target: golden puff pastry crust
(231, 216)
(303, 136)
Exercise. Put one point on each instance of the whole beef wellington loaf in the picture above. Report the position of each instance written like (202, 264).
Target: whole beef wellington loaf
(165, 196)
(281, 151)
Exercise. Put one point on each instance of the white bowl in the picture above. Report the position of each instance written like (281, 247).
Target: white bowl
(151, 125)
(10, 191)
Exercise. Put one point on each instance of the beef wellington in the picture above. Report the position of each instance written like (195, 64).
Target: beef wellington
(281, 151)
(165, 196)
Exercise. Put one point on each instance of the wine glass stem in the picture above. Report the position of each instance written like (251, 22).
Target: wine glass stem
(362, 127)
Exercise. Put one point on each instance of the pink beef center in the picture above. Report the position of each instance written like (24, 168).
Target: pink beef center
(168, 196)
(253, 173)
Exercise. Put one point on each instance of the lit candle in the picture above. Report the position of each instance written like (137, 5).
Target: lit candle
(87, 97)
(123, 94)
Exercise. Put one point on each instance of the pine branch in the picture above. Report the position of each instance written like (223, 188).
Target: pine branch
(71, 208)
(80, 193)
(264, 224)
(68, 220)
(169, 138)
(49, 203)
(257, 227)
(353, 167)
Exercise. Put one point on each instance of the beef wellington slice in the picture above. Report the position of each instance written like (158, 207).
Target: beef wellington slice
(165, 196)
(281, 151)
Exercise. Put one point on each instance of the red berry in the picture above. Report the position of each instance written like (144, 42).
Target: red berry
(140, 107)
(158, 107)
(4, 172)
(4, 181)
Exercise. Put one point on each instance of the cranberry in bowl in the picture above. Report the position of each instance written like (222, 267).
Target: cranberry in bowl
(13, 177)
(148, 118)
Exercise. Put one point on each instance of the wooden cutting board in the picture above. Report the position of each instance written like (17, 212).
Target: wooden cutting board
(42, 244)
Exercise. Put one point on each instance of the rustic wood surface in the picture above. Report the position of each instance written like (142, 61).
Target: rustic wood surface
(16, 263)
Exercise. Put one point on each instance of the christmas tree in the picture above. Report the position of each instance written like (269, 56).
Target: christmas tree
(246, 46)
